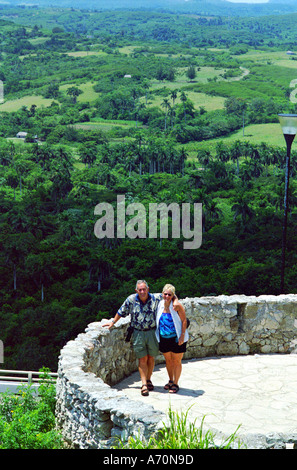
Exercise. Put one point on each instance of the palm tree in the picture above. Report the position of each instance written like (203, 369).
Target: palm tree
(146, 87)
(173, 96)
(256, 168)
(236, 152)
(204, 157)
(98, 268)
(183, 99)
(69, 222)
(64, 158)
(16, 247)
(62, 184)
(165, 104)
(138, 107)
(12, 179)
(40, 268)
(139, 152)
(88, 152)
(211, 211)
(43, 155)
(130, 161)
(246, 172)
(222, 151)
(182, 158)
(242, 210)
(74, 92)
(105, 153)
(5, 156)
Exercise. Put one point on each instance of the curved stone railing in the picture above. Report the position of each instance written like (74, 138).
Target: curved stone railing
(91, 414)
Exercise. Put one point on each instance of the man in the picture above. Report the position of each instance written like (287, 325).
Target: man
(142, 307)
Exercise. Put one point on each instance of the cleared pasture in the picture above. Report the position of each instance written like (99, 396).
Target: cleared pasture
(14, 105)
(210, 103)
(88, 92)
(86, 53)
(271, 134)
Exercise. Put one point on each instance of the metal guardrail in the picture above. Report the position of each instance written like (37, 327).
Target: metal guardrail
(22, 376)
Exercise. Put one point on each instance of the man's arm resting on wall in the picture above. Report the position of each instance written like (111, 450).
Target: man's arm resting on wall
(112, 322)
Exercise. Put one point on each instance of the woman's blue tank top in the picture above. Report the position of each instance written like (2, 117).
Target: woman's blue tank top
(166, 325)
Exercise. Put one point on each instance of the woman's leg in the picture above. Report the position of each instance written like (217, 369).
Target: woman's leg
(177, 366)
(169, 364)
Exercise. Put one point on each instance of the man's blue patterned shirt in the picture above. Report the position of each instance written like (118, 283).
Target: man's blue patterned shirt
(143, 316)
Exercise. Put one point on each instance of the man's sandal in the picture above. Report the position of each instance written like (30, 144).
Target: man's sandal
(144, 390)
(167, 386)
(174, 388)
(149, 385)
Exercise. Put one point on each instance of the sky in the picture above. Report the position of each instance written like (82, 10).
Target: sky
(248, 1)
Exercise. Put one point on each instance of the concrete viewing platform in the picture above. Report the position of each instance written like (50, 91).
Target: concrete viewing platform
(256, 392)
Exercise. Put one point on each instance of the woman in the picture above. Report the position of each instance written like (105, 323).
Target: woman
(172, 336)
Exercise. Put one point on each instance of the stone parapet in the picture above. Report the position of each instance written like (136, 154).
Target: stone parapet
(91, 414)
(239, 324)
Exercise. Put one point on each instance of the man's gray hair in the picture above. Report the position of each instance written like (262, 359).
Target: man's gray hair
(141, 282)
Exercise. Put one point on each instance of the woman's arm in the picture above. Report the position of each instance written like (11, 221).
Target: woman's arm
(182, 315)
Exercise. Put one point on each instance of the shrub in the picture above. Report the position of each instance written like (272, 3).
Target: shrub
(182, 435)
(27, 421)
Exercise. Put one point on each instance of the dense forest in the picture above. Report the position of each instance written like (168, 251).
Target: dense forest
(200, 7)
(157, 107)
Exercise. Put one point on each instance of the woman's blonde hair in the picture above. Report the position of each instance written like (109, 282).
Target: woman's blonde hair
(169, 287)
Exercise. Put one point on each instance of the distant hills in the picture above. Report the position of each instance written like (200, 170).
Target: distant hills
(204, 7)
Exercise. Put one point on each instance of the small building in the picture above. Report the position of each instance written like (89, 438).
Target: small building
(22, 135)
(27, 137)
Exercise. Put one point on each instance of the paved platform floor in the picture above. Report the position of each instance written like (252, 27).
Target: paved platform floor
(257, 392)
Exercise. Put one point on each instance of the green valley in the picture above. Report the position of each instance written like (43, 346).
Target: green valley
(159, 106)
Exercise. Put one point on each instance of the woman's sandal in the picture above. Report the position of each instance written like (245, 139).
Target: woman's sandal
(167, 386)
(149, 385)
(174, 388)
(144, 391)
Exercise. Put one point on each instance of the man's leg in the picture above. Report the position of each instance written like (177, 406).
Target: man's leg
(150, 366)
(143, 369)
(152, 351)
(146, 346)
(146, 366)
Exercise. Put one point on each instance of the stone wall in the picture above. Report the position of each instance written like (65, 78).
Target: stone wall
(91, 414)
(241, 324)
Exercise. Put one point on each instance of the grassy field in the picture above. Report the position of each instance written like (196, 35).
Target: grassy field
(13, 105)
(104, 125)
(88, 95)
(274, 57)
(86, 53)
(210, 103)
(88, 92)
(271, 134)
(203, 76)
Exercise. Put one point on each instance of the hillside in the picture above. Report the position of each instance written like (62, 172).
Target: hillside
(158, 108)
(204, 7)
